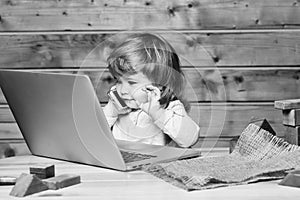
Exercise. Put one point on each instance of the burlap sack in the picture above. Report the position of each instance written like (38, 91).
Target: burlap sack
(258, 156)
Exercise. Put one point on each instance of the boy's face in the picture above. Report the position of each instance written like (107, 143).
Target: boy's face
(132, 89)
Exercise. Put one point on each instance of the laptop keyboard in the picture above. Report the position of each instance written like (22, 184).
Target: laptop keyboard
(133, 156)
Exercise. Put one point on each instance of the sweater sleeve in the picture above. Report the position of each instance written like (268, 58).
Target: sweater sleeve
(176, 123)
(110, 113)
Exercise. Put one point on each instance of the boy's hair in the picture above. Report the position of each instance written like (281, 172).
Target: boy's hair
(156, 59)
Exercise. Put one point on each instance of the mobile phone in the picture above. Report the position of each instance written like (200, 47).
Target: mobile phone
(117, 100)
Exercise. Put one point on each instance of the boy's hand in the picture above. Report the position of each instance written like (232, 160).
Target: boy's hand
(117, 110)
(152, 107)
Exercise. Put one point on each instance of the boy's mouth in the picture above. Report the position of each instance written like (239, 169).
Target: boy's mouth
(130, 101)
(127, 99)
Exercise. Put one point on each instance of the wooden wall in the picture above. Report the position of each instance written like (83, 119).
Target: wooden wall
(238, 56)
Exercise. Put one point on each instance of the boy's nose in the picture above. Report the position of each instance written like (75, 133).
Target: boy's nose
(123, 89)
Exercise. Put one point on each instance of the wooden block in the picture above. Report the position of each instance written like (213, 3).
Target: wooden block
(43, 171)
(62, 181)
(287, 104)
(291, 117)
(27, 184)
(292, 134)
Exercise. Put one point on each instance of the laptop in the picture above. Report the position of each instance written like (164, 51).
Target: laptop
(60, 117)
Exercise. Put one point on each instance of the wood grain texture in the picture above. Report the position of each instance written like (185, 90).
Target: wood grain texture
(216, 120)
(292, 134)
(27, 15)
(227, 120)
(9, 132)
(194, 49)
(42, 171)
(237, 52)
(62, 181)
(27, 184)
(215, 84)
(13, 147)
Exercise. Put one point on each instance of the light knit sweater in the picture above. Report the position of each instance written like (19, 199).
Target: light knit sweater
(138, 126)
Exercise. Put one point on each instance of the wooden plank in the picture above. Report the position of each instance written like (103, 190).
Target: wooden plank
(194, 49)
(215, 120)
(227, 144)
(13, 147)
(206, 85)
(287, 104)
(230, 120)
(291, 117)
(9, 132)
(242, 84)
(27, 15)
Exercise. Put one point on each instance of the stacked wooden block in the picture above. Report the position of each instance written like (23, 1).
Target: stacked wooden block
(291, 119)
(41, 178)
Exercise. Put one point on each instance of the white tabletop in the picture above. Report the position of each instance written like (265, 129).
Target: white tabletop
(99, 183)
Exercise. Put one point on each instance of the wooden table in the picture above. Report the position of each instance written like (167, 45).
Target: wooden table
(99, 183)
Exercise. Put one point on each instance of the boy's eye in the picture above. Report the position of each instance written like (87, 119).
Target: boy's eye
(132, 82)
